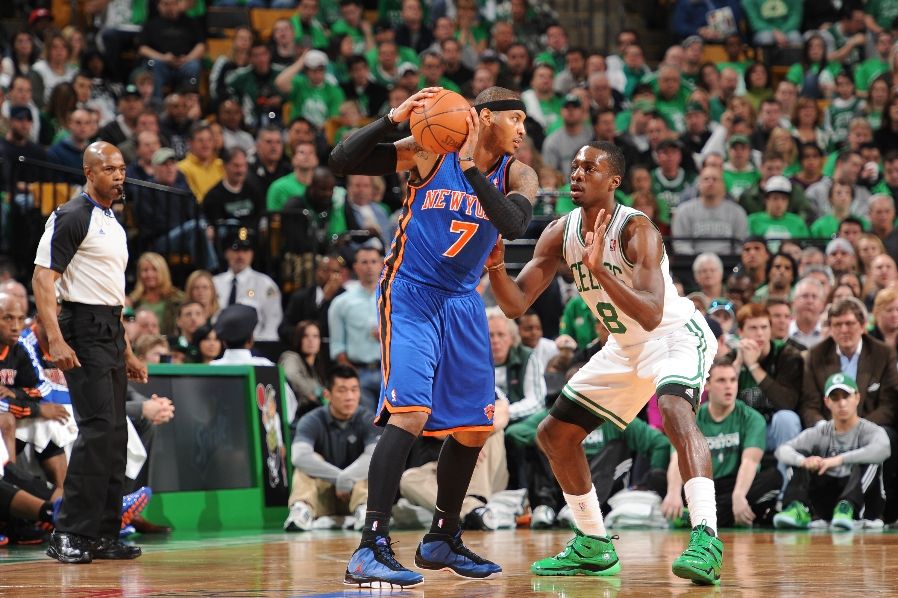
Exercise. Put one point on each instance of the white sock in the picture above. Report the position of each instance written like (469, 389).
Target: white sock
(587, 513)
(701, 502)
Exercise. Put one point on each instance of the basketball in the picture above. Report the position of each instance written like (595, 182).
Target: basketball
(439, 125)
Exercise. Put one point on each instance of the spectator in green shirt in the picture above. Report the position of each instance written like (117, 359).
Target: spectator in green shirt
(739, 172)
(432, 69)
(671, 96)
(282, 190)
(775, 222)
(874, 66)
(311, 94)
(578, 321)
(814, 76)
(841, 197)
(353, 24)
(736, 435)
(774, 22)
(306, 27)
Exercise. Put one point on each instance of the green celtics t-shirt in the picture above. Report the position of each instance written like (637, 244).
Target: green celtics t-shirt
(578, 322)
(314, 32)
(315, 103)
(867, 71)
(788, 226)
(283, 190)
(743, 428)
(552, 111)
(884, 11)
(669, 191)
(827, 226)
(738, 182)
(341, 27)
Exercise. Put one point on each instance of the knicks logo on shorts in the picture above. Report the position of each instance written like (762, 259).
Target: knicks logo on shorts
(489, 411)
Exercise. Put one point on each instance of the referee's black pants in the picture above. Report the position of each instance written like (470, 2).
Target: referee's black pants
(92, 500)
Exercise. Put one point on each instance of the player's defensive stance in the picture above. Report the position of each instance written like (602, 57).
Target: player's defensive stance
(658, 344)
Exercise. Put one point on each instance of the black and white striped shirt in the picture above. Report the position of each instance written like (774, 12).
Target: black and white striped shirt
(86, 244)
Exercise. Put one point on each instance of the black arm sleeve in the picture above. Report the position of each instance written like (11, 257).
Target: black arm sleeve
(362, 152)
(510, 214)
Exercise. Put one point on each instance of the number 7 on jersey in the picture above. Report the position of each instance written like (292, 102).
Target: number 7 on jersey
(466, 230)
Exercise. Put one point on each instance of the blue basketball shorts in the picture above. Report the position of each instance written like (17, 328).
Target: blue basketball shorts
(435, 357)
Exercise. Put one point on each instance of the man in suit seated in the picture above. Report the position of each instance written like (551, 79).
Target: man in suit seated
(872, 364)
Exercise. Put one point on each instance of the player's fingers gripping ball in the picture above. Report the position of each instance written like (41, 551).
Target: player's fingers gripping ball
(439, 125)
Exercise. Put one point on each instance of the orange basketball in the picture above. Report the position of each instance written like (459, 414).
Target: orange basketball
(439, 125)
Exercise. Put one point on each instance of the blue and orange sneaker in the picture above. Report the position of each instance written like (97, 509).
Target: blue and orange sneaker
(3, 540)
(451, 555)
(374, 565)
(134, 503)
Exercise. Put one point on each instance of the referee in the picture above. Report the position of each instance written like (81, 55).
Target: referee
(84, 250)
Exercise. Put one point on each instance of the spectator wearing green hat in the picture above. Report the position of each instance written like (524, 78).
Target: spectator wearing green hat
(739, 172)
(837, 467)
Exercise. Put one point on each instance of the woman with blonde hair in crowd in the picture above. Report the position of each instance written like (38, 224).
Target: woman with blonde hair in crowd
(885, 316)
(155, 292)
(781, 142)
(54, 67)
(200, 287)
(77, 45)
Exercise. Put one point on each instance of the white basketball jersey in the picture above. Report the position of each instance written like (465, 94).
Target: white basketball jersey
(625, 330)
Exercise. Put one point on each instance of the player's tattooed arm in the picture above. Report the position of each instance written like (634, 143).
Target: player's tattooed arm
(523, 179)
(516, 296)
(411, 156)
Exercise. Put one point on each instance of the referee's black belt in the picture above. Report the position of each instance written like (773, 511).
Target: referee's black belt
(374, 365)
(113, 310)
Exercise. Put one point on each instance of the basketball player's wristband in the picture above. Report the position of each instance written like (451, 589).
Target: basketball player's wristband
(362, 152)
(510, 214)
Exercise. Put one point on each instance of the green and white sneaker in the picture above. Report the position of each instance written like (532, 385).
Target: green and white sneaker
(843, 516)
(795, 516)
(583, 555)
(702, 559)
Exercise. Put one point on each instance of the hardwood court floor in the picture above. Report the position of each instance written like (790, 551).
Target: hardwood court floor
(757, 564)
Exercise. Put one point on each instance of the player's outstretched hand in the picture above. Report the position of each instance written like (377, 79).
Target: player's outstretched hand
(467, 148)
(497, 255)
(595, 243)
(404, 111)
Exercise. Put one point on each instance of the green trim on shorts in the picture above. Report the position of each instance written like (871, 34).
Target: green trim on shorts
(696, 380)
(572, 395)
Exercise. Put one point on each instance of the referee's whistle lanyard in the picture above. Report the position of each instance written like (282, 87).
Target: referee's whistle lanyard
(106, 211)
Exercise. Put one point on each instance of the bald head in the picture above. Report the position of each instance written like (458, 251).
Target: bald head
(16, 290)
(7, 302)
(97, 152)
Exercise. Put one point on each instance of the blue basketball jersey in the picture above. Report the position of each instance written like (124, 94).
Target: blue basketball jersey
(444, 236)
